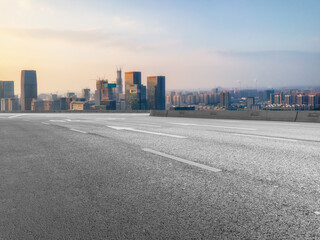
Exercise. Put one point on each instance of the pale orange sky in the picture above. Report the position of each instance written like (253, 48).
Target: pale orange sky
(194, 44)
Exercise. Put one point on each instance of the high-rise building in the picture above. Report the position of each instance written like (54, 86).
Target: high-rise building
(6, 89)
(312, 101)
(276, 98)
(29, 89)
(288, 99)
(9, 104)
(268, 94)
(250, 102)
(224, 99)
(106, 94)
(156, 92)
(133, 90)
(144, 104)
(300, 99)
(86, 94)
(119, 84)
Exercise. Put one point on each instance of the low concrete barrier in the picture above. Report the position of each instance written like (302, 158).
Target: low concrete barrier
(289, 116)
(308, 116)
(85, 111)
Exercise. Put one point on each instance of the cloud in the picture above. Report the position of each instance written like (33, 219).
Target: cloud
(98, 37)
(25, 4)
(120, 22)
(94, 37)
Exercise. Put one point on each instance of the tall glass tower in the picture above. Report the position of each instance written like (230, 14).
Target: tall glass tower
(156, 91)
(133, 90)
(29, 89)
(119, 84)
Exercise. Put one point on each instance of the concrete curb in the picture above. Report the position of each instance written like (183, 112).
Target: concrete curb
(289, 116)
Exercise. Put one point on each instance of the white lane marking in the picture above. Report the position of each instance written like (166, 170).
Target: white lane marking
(14, 116)
(69, 120)
(110, 119)
(147, 125)
(143, 131)
(266, 137)
(57, 121)
(199, 165)
(275, 123)
(76, 130)
(45, 123)
(214, 126)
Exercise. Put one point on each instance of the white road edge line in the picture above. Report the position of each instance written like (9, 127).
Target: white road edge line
(273, 138)
(14, 116)
(199, 165)
(143, 131)
(214, 126)
(76, 130)
(45, 123)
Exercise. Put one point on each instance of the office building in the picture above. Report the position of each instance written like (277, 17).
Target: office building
(9, 104)
(119, 84)
(144, 104)
(79, 106)
(225, 99)
(133, 90)
(29, 89)
(250, 102)
(86, 94)
(6, 89)
(156, 92)
(106, 94)
(268, 94)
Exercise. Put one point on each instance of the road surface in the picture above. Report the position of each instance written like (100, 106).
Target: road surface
(132, 176)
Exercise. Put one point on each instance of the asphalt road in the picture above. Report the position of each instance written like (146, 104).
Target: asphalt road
(131, 176)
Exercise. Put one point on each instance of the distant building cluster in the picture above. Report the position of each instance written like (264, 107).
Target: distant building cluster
(108, 95)
(246, 99)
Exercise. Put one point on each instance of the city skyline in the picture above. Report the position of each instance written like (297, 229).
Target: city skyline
(270, 43)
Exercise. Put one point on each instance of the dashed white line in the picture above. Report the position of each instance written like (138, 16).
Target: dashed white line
(57, 121)
(199, 165)
(214, 126)
(14, 116)
(266, 137)
(76, 130)
(45, 123)
(143, 131)
(147, 125)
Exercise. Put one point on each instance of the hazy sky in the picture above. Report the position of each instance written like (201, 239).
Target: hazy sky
(195, 44)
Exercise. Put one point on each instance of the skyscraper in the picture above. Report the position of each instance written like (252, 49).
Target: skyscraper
(224, 99)
(86, 94)
(119, 84)
(250, 102)
(133, 90)
(106, 94)
(6, 89)
(29, 89)
(156, 92)
(143, 97)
